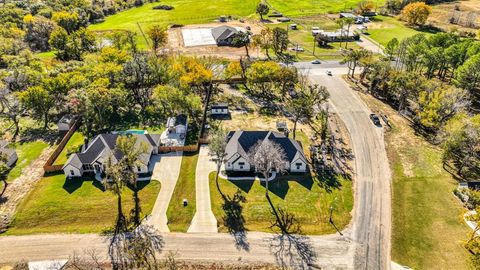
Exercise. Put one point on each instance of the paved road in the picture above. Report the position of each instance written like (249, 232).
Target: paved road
(166, 171)
(332, 251)
(372, 210)
(204, 220)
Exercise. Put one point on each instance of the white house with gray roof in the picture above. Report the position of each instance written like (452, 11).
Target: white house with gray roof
(96, 153)
(239, 144)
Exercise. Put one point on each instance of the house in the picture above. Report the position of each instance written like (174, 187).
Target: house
(282, 126)
(324, 37)
(239, 144)
(8, 153)
(177, 125)
(96, 153)
(219, 109)
(224, 35)
(65, 123)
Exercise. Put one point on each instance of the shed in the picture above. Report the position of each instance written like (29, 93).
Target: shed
(282, 126)
(224, 35)
(293, 26)
(177, 124)
(219, 109)
(66, 122)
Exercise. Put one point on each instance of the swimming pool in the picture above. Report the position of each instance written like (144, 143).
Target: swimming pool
(131, 131)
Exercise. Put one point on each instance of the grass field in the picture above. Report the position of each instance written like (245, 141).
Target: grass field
(179, 216)
(74, 206)
(386, 28)
(27, 152)
(427, 226)
(194, 12)
(308, 199)
(72, 145)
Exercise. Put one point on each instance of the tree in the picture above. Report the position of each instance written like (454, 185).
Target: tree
(341, 23)
(132, 153)
(37, 99)
(416, 13)
(439, 102)
(391, 48)
(4, 169)
(264, 40)
(402, 86)
(11, 108)
(68, 21)
(365, 6)
(305, 104)
(348, 22)
(115, 183)
(468, 75)
(38, 32)
(217, 144)
(172, 101)
(158, 35)
(462, 147)
(262, 78)
(262, 9)
(279, 40)
(353, 59)
(266, 156)
(73, 46)
(242, 39)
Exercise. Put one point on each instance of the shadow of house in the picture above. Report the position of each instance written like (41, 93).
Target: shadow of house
(278, 187)
(73, 184)
(244, 185)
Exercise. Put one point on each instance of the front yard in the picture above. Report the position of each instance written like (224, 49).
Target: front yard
(57, 205)
(307, 199)
(179, 216)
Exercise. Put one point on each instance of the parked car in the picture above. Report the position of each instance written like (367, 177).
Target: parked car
(329, 73)
(375, 119)
(298, 49)
(316, 62)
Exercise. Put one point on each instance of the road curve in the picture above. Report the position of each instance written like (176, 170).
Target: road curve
(372, 208)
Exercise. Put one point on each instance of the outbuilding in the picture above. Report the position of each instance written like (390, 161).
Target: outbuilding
(219, 109)
(8, 153)
(65, 123)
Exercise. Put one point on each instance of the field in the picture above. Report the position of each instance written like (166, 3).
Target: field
(427, 226)
(306, 198)
(27, 152)
(195, 12)
(386, 28)
(74, 206)
(179, 216)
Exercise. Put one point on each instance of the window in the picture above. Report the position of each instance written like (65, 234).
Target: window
(229, 164)
(241, 163)
(88, 167)
(139, 169)
(72, 172)
(299, 165)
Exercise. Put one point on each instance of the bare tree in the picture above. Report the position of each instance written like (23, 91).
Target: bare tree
(267, 156)
(11, 108)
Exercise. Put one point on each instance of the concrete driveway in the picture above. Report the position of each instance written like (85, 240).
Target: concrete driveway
(204, 221)
(166, 170)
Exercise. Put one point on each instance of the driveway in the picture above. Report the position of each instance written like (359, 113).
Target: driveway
(372, 207)
(166, 170)
(204, 220)
(369, 45)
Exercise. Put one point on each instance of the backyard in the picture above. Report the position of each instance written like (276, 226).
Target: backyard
(73, 145)
(27, 152)
(307, 198)
(75, 206)
(427, 225)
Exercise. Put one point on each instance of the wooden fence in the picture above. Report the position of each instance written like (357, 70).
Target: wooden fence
(186, 148)
(49, 167)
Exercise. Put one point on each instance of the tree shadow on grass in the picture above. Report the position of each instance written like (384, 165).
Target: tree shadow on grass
(233, 219)
(328, 181)
(291, 249)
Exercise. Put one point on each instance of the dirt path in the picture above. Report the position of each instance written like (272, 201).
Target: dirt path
(20, 187)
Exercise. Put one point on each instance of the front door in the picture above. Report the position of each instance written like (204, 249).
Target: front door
(97, 168)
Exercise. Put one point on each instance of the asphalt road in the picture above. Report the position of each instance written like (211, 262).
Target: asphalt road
(372, 209)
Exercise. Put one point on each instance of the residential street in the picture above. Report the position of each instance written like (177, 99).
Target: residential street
(372, 208)
(204, 220)
(166, 171)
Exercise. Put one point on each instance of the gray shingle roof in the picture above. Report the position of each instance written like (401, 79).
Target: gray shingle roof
(223, 32)
(242, 141)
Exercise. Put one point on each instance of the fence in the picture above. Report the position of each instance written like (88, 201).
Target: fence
(48, 167)
(187, 148)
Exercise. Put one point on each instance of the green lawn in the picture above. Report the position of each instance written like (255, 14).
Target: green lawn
(74, 206)
(179, 216)
(27, 152)
(301, 8)
(306, 198)
(72, 145)
(387, 28)
(428, 229)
